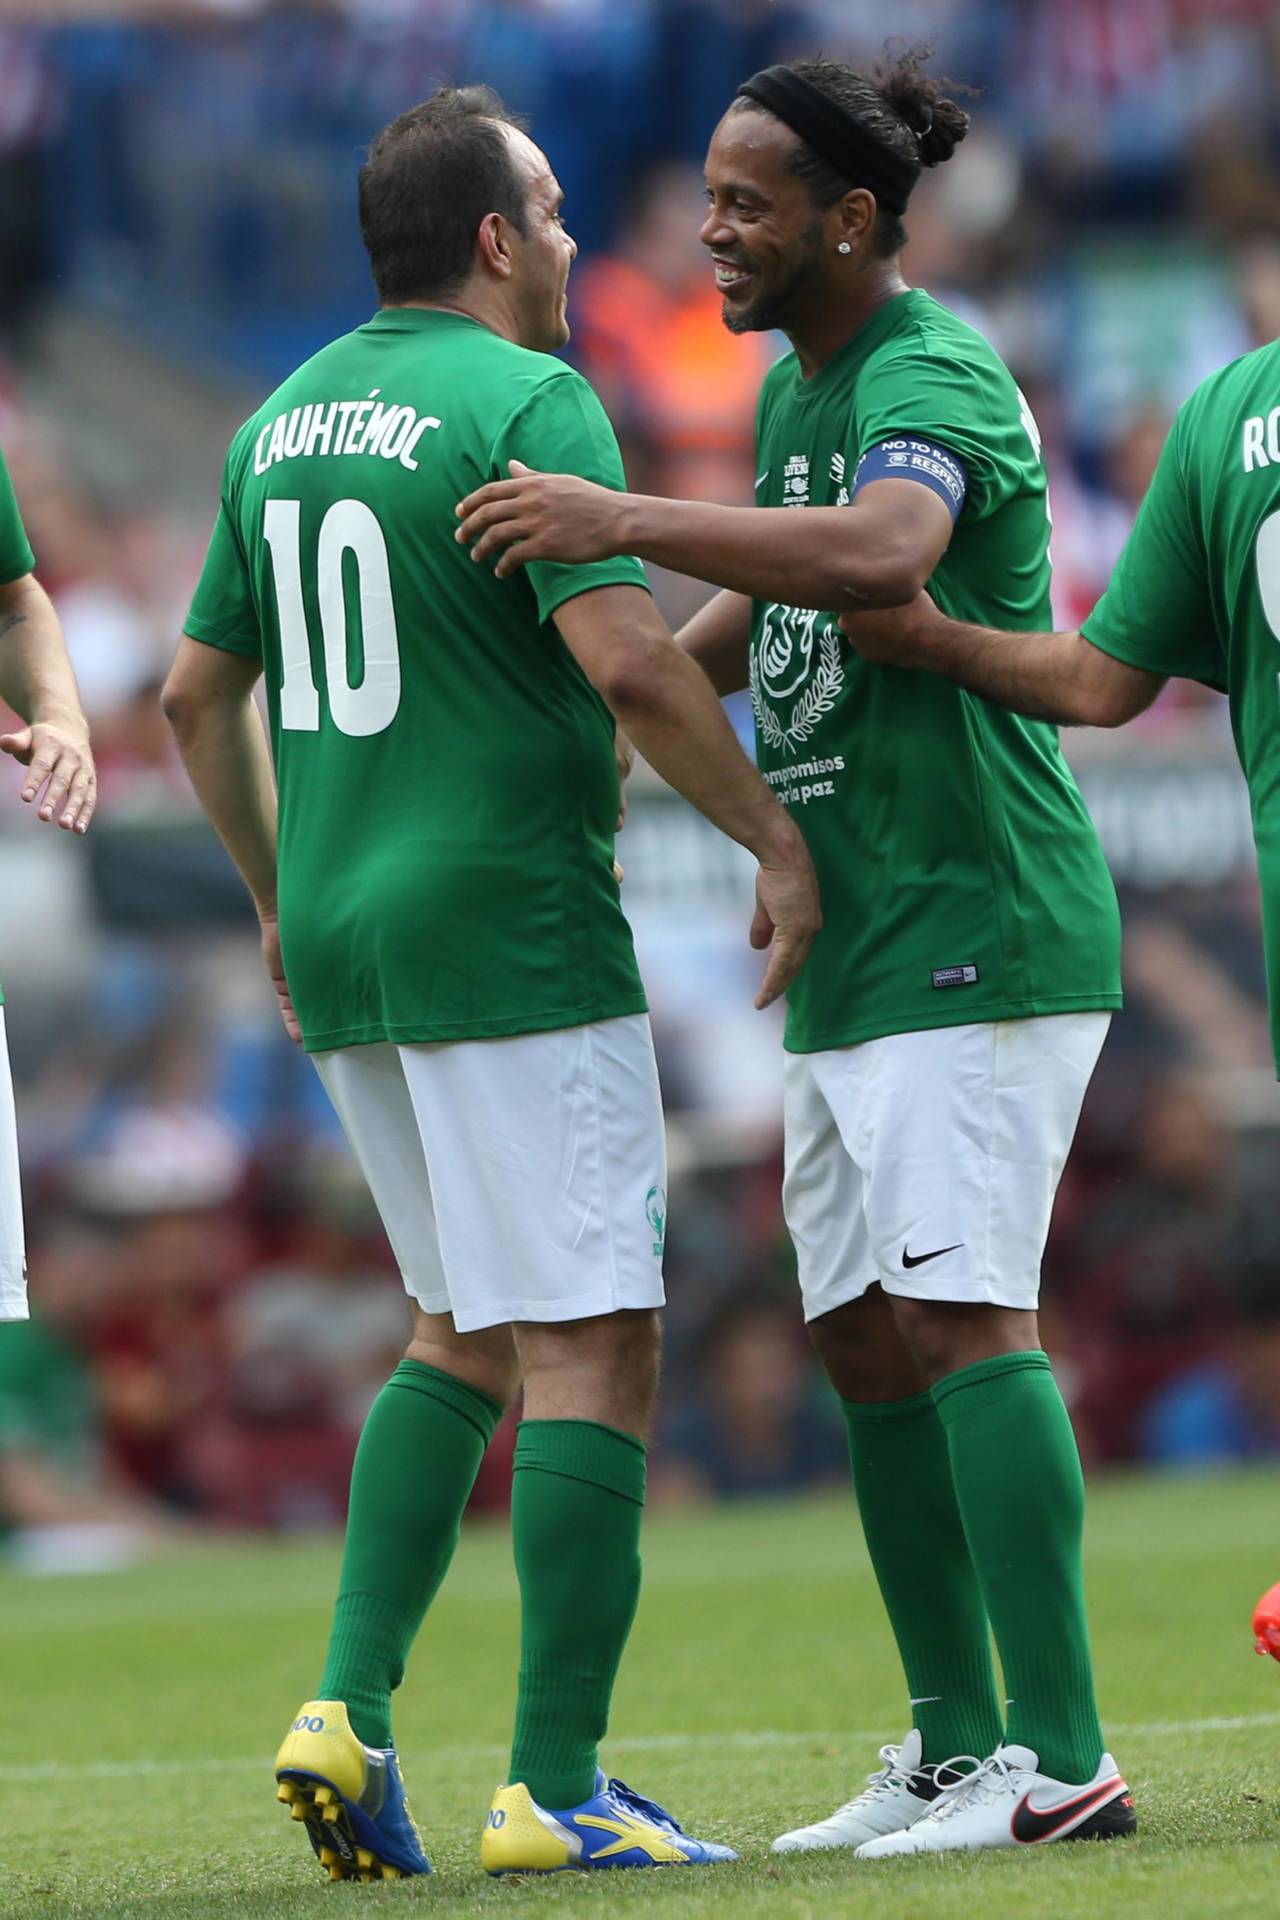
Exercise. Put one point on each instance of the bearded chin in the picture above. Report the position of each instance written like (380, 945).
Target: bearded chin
(756, 319)
(761, 315)
(773, 310)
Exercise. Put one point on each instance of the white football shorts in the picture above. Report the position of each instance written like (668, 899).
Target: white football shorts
(929, 1161)
(517, 1179)
(13, 1256)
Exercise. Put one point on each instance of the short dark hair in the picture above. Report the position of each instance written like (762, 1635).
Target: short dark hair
(900, 104)
(431, 178)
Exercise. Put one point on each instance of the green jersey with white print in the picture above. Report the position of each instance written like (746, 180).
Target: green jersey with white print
(447, 776)
(961, 876)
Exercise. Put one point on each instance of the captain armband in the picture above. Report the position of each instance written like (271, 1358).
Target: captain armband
(921, 460)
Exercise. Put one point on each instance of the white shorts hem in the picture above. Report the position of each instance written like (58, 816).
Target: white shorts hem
(1024, 1300)
(583, 1306)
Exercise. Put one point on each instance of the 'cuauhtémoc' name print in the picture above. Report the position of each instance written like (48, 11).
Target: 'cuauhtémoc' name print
(371, 426)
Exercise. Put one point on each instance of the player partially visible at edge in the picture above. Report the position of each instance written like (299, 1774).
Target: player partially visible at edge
(942, 1037)
(37, 682)
(443, 925)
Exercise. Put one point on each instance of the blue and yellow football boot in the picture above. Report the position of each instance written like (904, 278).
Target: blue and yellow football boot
(615, 1828)
(350, 1798)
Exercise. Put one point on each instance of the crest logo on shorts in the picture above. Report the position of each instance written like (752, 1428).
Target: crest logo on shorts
(798, 659)
(655, 1212)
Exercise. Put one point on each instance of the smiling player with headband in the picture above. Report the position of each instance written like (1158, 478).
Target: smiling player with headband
(941, 1040)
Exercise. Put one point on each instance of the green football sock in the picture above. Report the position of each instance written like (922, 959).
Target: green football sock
(414, 1469)
(916, 1539)
(1021, 1493)
(577, 1500)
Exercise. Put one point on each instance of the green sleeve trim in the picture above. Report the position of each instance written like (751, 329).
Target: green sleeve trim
(210, 635)
(623, 572)
(1095, 632)
(9, 572)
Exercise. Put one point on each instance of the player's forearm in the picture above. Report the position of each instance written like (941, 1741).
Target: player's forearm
(678, 724)
(36, 675)
(1046, 676)
(816, 558)
(718, 637)
(224, 749)
(1026, 672)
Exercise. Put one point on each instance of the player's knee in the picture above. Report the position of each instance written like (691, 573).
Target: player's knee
(485, 1361)
(946, 1335)
(603, 1369)
(630, 1358)
(863, 1352)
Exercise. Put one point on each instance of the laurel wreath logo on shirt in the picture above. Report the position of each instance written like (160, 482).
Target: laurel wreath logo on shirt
(785, 640)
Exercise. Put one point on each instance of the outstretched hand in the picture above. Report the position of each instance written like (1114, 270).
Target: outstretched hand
(58, 760)
(540, 516)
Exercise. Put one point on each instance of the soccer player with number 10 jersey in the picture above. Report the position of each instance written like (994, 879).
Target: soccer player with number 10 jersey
(442, 920)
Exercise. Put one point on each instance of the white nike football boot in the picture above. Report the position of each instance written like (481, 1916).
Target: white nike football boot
(901, 1793)
(1008, 1802)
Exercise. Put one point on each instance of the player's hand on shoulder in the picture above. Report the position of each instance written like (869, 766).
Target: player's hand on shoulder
(894, 636)
(60, 771)
(270, 926)
(540, 516)
(788, 913)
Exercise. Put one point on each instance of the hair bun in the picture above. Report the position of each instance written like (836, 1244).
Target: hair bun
(938, 123)
(919, 117)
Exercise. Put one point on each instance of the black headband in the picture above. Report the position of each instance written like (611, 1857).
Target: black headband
(835, 134)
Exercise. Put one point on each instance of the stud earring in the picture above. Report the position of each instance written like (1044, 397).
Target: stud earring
(844, 247)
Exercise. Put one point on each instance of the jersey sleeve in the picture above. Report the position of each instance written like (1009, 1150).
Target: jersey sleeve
(16, 557)
(562, 428)
(961, 416)
(222, 609)
(1156, 612)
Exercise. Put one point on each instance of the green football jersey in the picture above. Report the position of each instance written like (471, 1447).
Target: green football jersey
(1196, 592)
(16, 557)
(448, 784)
(961, 876)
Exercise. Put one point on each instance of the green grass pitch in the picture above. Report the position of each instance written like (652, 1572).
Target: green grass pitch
(140, 1712)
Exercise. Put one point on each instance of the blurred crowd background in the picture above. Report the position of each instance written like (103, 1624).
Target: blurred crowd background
(214, 1303)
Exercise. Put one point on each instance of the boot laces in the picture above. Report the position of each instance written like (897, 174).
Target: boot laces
(890, 1777)
(645, 1809)
(988, 1781)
